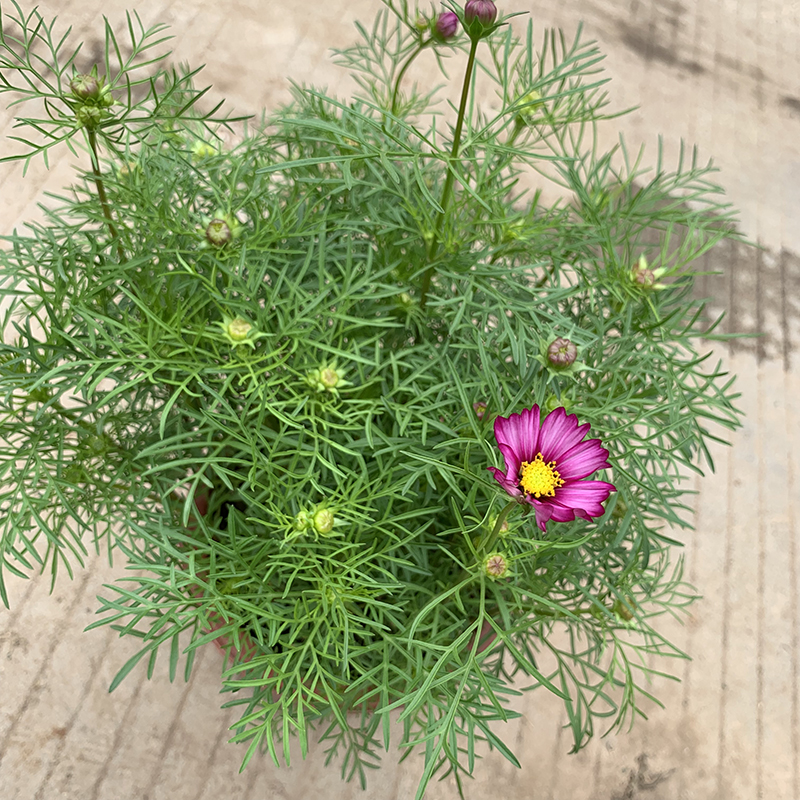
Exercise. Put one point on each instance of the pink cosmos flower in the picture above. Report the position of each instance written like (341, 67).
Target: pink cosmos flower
(546, 464)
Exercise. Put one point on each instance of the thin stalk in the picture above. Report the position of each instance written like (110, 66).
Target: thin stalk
(101, 192)
(501, 518)
(403, 71)
(448, 184)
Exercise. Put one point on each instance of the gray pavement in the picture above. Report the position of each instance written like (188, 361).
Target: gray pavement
(721, 74)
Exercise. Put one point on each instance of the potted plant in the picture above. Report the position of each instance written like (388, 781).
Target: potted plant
(352, 401)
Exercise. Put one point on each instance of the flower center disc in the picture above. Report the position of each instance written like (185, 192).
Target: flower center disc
(539, 478)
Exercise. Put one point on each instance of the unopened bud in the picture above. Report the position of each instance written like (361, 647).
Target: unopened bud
(446, 26)
(562, 353)
(89, 116)
(529, 103)
(238, 332)
(329, 377)
(552, 402)
(479, 15)
(645, 277)
(480, 409)
(504, 526)
(218, 233)
(201, 149)
(496, 565)
(85, 87)
(324, 521)
(624, 609)
(238, 329)
(620, 508)
(302, 521)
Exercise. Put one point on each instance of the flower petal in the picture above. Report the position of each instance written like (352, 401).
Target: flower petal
(585, 495)
(560, 432)
(544, 512)
(520, 432)
(582, 460)
(509, 485)
(512, 460)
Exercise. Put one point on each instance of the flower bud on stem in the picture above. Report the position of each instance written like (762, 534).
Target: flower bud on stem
(479, 17)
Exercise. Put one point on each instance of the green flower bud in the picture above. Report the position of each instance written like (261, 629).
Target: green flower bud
(201, 150)
(504, 527)
(106, 98)
(624, 610)
(552, 402)
(620, 507)
(238, 331)
(323, 521)
(302, 521)
(218, 233)
(327, 378)
(496, 566)
(89, 116)
(529, 103)
(127, 170)
(85, 87)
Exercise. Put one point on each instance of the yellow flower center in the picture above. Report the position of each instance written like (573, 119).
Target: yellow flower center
(539, 478)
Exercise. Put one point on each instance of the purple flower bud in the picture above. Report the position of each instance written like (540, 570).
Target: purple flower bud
(562, 353)
(485, 11)
(446, 26)
(480, 409)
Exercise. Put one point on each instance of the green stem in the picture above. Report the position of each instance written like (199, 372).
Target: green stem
(448, 184)
(501, 518)
(403, 71)
(101, 192)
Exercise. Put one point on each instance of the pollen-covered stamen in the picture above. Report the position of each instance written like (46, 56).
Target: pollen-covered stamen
(539, 478)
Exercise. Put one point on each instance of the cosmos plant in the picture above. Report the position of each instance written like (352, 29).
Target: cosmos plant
(327, 384)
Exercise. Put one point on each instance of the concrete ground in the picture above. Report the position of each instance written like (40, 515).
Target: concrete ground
(721, 74)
